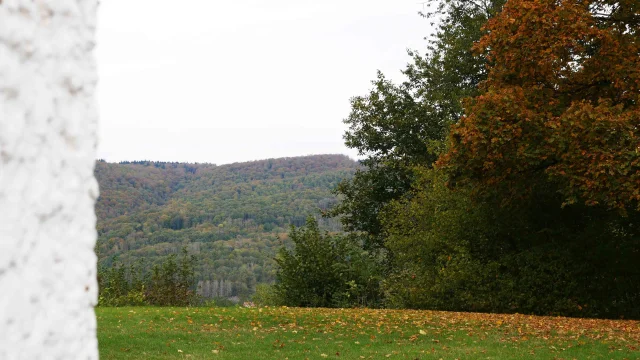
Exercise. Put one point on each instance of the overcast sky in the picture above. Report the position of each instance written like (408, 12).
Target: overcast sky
(223, 81)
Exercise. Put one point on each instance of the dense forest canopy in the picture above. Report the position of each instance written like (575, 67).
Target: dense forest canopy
(502, 175)
(232, 217)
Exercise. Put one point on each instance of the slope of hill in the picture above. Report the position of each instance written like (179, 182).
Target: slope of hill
(231, 217)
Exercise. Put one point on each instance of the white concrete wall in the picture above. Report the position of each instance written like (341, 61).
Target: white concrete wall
(48, 137)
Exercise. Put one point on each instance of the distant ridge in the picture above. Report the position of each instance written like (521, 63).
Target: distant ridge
(141, 162)
(233, 217)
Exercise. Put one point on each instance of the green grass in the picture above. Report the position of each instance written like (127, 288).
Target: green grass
(291, 333)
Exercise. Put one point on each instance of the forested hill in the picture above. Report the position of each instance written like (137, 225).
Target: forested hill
(232, 217)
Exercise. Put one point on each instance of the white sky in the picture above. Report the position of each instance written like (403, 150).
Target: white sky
(222, 81)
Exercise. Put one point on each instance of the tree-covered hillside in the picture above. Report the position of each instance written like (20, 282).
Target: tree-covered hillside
(233, 218)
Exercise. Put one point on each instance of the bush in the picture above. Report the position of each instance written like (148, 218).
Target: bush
(325, 271)
(453, 253)
(267, 295)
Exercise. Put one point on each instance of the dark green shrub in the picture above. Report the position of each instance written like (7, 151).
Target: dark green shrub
(325, 271)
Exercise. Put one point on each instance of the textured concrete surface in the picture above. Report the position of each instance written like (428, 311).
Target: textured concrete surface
(48, 135)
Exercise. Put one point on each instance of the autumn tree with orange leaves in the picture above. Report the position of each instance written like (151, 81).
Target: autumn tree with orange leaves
(561, 103)
(533, 205)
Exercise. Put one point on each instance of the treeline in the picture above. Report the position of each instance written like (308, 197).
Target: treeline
(231, 218)
(169, 284)
(503, 174)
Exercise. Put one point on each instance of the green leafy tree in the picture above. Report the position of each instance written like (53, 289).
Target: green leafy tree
(120, 285)
(324, 271)
(399, 126)
(173, 282)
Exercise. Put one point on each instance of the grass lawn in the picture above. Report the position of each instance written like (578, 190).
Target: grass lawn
(292, 333)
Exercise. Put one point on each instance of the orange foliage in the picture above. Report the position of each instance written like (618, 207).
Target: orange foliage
(562, 99)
